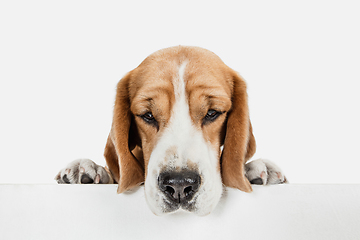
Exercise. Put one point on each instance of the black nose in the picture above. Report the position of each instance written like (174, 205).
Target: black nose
(179, 187)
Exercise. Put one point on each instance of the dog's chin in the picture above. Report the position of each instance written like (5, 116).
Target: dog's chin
(162, 206)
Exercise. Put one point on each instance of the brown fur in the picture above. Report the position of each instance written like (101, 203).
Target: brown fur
(239, 143)
(210, 84)
(129, 171)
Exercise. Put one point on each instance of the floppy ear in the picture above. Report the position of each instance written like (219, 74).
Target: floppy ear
(239, 144)
(123, 165)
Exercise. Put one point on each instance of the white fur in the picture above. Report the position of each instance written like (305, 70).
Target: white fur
(75, 169)
(268, 171)
(182, 142)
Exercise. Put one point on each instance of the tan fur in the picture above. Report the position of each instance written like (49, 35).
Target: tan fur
(239, 143)
(210, 84)
(128, 171)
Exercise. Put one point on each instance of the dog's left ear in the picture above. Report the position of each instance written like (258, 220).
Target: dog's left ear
(239, 143)
(126, 169)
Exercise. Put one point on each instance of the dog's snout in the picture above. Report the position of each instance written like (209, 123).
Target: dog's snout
(179, 187)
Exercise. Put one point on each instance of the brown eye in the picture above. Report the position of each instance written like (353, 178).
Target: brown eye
(150, 119)
(211, 113)
(211, 116)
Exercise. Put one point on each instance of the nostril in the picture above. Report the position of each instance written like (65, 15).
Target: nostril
(169, 190)
(188, 190)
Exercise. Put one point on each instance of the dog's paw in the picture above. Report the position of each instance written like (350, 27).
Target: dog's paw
(263, 172)
(83, 171)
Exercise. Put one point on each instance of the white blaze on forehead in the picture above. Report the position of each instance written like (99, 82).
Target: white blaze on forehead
(180, 127)
(179, 83)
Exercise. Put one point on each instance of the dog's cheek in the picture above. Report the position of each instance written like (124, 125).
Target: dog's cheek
(152, 192)
(212, 188)
(152, 197)
(209, 197)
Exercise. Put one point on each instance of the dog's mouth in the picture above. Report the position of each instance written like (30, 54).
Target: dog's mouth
(171, 206)
(188, 189)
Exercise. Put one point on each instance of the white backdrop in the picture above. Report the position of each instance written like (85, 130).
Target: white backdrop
(60, 62)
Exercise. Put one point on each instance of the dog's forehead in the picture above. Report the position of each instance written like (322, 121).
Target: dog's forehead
(199, 67)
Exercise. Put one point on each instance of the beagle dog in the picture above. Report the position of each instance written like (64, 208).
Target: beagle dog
(181, 126)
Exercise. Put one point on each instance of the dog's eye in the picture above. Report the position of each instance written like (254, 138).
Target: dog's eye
(149, 118)
(211, 116)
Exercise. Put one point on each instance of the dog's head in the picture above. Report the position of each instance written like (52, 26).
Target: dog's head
(172, 115)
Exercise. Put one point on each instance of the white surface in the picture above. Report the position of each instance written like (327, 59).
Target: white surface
(60, 62)
(311, 212)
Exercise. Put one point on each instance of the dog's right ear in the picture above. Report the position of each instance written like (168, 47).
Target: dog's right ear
(123, 165)
(239, 142)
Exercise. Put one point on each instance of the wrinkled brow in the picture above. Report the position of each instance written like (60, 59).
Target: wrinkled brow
(211, 96)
